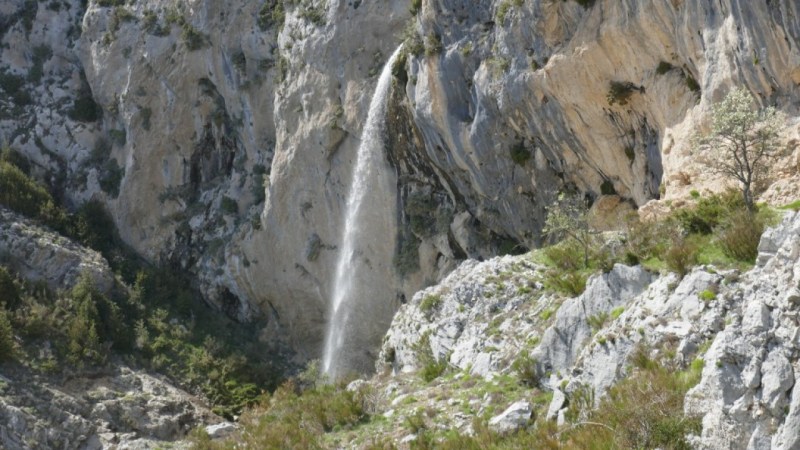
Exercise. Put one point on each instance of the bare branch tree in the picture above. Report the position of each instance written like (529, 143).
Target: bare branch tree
(742, 141)
(569, 216)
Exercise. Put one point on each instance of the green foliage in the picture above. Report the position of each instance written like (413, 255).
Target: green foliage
(625, 424)
(692, 84)
(9, 294)
(619, 92)
(271, 14)
(681, 256)
(742, 141)
(85, 109)
(193, 39)
(585, 3)
(568, 216)
(566, 255)
(430, 302)
(707, 295)
(525, 369)
(664, 67)
(406, 258)
(151, 25)
(6, 337)
(709, 212)
(110, 177)
(433, 45)
(740, 236)
(794, 206)
(13, 86)
(23, 195)
(415, 7)
(597, 321)
(292, 418)
(520, 154)
(430, 367)
(616, 312)
(229, 206)
(569, 283)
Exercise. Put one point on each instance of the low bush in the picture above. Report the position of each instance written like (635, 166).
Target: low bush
(681, 256)
(85, 109)
(520, 154)
(571, 283)
(525, 369)
(9, 294)
(620, 92)
(739, 238)
(6, 336)
(294, 419)
(430, 302)
(430, 367)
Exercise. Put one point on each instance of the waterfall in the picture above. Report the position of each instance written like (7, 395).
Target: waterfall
(367, 203)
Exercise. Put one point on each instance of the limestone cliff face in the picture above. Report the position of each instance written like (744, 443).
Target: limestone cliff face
(233, 130)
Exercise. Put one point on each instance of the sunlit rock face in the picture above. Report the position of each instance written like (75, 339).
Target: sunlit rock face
(233, 135)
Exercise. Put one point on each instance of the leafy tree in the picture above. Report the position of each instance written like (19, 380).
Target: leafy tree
(741, 141)
(569, 216)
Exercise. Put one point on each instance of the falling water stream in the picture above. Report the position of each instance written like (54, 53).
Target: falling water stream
(347, 291)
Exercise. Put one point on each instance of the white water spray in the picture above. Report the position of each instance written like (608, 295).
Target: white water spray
(348, 292)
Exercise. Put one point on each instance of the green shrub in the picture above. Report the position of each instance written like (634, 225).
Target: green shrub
(619, 92)
(692, 84)
(616, 312)
(709, 212)
(193, 39)
(740, 236)
(664, 67)
(110, 178)
(520, 154)
(292, 419)
(430, 367)
(707, 295)
(585, 3)
(433, 45)
(597, 321)
(6, 336)
(625, 424)
(571, 283)
(681, 256)
(566, 255)
(271, 14)
(415, 7)
(525, 368)
(85, 109)
(229, 206)
(23, 195)
(9, 294)
(430, 302)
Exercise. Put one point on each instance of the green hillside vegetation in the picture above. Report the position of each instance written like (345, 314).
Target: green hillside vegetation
(153, 318)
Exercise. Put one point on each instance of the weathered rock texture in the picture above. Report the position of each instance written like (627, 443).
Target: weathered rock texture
(743, 326)
(119, 408)
(39, 254)
(207, 105)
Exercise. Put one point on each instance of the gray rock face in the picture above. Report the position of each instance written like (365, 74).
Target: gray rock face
(516, 416)
(121, 408)
(483, 314)
(37, 253)
(568, 335)
(747, 396)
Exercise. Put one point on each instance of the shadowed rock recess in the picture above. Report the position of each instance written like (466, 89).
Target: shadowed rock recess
(222, 137)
